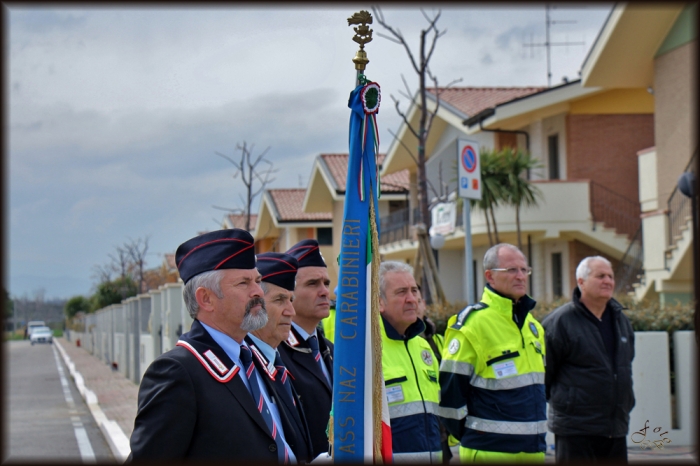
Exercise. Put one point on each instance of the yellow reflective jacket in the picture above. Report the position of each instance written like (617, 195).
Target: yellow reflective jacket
(413, 393)
(492, 376)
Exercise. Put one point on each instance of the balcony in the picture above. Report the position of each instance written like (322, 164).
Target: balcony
(577, 209)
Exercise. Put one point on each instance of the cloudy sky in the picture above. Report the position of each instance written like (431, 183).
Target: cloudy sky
(115, 114)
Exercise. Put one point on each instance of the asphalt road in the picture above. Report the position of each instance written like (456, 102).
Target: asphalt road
(45, 417)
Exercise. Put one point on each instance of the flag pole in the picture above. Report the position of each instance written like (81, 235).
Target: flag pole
(359, 428)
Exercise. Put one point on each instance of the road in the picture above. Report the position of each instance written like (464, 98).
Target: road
(46, 418)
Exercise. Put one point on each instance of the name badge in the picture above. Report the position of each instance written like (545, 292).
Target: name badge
(505, 369)
(394, 393)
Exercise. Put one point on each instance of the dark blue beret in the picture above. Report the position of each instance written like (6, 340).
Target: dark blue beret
(221, 249)
(307, 253)
(278, 268)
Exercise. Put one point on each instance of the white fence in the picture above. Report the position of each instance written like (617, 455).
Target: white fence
(130, 335)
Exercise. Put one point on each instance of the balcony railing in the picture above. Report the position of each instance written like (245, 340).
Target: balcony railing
(631, 266)
(614, 210)
(396, 226)
(679, 208)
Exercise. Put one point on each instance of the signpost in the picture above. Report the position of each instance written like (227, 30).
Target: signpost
(469, 170)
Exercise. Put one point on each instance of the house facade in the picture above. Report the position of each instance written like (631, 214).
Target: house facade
(586, 141)
(662, 63)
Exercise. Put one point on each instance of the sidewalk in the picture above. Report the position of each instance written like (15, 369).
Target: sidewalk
(117, 398)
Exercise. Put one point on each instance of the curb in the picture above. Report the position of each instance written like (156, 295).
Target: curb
(117, 440)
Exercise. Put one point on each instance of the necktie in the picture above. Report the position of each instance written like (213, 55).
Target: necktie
(252, 374)
(313, 343)
(282, 378)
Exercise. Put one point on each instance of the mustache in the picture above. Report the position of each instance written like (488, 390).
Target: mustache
(257, 301)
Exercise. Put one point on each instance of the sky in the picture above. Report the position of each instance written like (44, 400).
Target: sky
(115, 114)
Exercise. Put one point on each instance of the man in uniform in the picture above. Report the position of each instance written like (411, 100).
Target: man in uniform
(278, 272)
(410, 368)
(308, 357)
(492, 370)
(590, 347)
(203, 399)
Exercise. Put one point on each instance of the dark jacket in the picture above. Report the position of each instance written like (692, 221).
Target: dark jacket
(315, 393)
(587, 393)
(191, 408)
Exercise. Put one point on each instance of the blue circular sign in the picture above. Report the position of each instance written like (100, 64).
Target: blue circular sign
(468, 158)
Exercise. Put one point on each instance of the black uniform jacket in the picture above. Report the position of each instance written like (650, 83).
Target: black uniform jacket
(296, 431)
(315, 393)
(588, 393)
(193, 404)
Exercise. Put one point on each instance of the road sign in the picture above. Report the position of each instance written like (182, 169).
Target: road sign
(469, 169)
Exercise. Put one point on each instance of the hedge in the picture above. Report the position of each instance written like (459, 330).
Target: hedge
(646, 315)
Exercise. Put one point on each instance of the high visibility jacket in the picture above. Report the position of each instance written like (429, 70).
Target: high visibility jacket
(413, 394)
(492, 376)
(328, 325)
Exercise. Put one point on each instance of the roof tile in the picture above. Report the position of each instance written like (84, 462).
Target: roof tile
(337, 165)
(288, 203)
(472, 100)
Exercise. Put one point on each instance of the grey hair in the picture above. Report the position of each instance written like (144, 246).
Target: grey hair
(387, 267)
(584, 267)
(211, 280)
(491, 256)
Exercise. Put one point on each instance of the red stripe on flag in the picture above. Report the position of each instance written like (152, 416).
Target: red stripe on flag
(386, 443)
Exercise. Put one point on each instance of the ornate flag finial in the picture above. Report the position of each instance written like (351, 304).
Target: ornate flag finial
(363, 34)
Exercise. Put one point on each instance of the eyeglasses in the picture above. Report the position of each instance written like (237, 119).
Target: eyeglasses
(515, 270)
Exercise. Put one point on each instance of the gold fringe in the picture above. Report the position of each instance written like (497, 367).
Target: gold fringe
(378, 378)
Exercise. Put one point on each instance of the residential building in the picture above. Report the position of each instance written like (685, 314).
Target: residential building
(662, 63)
(586, 140)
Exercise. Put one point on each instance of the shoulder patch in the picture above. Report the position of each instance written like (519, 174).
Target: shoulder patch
(462, 316)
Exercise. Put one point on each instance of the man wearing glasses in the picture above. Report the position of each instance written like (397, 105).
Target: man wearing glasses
(492, 370)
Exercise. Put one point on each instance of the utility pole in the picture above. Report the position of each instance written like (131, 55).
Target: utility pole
(548, 44)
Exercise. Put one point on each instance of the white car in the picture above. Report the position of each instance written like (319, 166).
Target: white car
(41, 335)
(33, 325)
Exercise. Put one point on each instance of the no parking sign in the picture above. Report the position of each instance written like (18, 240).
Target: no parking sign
(469, 169)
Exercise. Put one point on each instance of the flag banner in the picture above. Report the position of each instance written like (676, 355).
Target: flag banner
(361, 430)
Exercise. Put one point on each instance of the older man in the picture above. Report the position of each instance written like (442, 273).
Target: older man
(278, 273)
(410, 368)
(492, 370)
(307, 355)
(204, 399)
(590, 347)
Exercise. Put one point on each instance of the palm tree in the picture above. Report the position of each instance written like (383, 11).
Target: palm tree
(518, 190)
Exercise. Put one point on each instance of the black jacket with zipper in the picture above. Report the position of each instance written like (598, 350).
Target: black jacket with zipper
(587, 393)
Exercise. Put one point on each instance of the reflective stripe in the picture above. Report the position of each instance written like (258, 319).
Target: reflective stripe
(505, 427)
(452, 413)
(425, 457)
(416, 407)
(522, 380)
(456, 367)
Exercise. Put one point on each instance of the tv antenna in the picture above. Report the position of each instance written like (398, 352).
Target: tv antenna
(549, 44)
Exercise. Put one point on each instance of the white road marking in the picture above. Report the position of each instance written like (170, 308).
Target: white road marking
(86, 452)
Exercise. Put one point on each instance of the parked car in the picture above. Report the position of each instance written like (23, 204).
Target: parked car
(41, 335)
(34, 324)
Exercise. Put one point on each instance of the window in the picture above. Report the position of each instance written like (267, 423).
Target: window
(557, 282)
(554, 157)
(324, 236)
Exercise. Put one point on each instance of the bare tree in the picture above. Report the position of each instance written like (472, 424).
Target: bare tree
(248, 167)
(136, 251)
(428, 39)
(120, 262)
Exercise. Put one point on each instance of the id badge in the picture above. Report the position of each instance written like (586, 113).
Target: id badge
(394, 393)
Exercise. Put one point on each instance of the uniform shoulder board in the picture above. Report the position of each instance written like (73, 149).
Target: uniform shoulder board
(462, 316)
